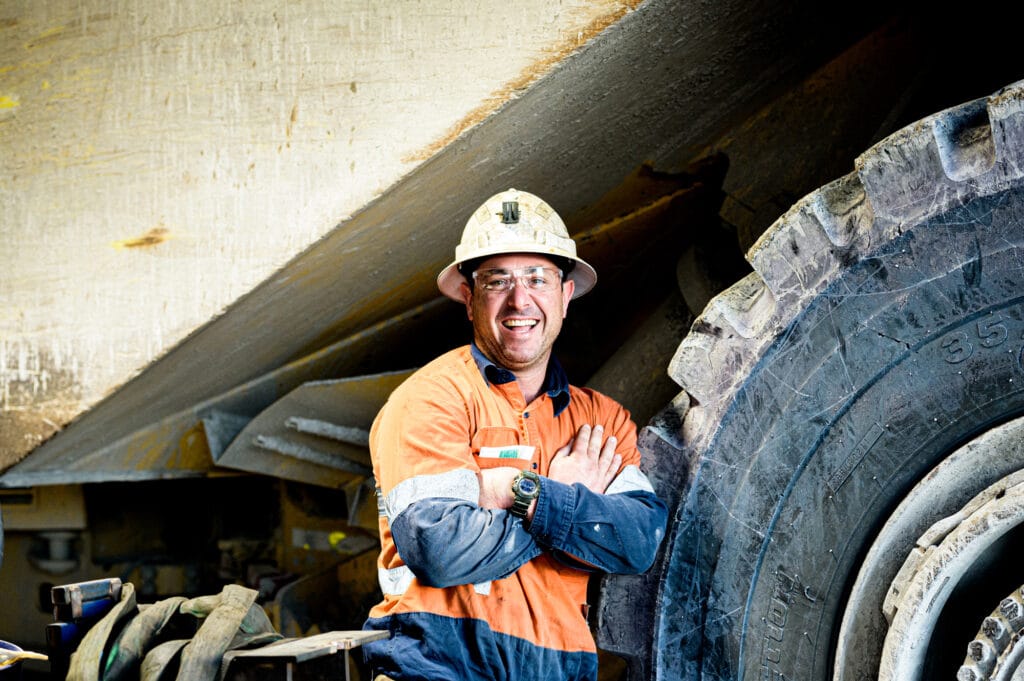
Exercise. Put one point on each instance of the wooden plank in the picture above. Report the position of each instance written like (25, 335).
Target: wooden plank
(311, 647)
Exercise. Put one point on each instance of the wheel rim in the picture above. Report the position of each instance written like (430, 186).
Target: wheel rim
(967, 506)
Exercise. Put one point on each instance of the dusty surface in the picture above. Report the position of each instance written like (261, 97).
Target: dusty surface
(159, 162)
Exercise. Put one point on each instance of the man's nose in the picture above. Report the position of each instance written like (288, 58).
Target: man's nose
(519, 297)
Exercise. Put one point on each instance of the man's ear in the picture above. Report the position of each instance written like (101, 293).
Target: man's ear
(567, 290)
(467, 298)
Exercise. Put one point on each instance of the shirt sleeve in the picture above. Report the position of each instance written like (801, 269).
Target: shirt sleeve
(424, 466)
(615, 532)
(446, 542)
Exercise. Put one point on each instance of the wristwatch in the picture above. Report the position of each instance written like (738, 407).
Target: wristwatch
(526, 488)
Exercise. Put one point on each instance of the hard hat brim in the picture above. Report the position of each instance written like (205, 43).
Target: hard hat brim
(450, 278)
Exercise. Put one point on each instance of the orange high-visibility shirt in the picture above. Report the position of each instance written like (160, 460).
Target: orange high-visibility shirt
(528, 585)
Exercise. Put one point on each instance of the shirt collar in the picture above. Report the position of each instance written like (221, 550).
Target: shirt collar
(556, 383)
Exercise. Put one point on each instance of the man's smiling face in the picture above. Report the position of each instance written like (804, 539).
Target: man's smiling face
(516, 328)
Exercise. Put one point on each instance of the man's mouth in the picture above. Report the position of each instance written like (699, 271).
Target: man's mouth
(515, 323)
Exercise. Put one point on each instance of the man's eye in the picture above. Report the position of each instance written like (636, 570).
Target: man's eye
(497, 283)
(537, 282)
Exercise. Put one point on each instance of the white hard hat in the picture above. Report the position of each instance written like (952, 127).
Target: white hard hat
(515, 222)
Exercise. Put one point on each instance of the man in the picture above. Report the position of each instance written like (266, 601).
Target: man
(501, 487)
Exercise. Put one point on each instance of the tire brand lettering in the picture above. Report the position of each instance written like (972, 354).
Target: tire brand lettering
(841, 474)
(784, 592)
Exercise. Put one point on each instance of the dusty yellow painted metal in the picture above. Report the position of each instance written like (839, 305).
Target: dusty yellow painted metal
(58, 507)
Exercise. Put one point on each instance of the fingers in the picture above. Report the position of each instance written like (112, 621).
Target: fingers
(588, 458)
(608, 463)
(594, 447)
(590, 442)
(581, 443)
(608, 455)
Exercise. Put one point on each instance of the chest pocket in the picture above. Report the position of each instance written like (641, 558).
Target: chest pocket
(499, 446)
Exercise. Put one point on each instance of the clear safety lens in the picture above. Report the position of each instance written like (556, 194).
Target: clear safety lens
(540, 279)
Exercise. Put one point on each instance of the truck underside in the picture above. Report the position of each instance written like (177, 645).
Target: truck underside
(811, 304)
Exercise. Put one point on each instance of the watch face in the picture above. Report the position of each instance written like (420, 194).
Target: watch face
(527, 486)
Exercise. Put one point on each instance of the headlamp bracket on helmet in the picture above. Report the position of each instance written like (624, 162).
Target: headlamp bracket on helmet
(509, 212)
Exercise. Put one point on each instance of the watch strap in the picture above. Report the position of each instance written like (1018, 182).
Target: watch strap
(521, 502)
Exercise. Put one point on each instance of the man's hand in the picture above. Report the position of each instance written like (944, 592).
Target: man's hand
(588, 459)
(496, 487)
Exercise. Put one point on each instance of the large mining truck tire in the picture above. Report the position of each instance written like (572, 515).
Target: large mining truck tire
(881, 329)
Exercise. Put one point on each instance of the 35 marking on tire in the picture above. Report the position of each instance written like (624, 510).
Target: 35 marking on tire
(990, 332)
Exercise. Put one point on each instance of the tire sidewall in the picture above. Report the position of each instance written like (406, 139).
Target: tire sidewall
(905, 356)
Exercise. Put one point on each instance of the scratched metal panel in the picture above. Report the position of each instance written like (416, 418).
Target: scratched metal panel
(317, 433)
(188, 442)
(161, 160)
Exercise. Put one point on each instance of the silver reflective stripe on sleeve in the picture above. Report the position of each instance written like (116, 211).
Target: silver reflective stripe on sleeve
(631, 479)
(395, 581)
(457, 484)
